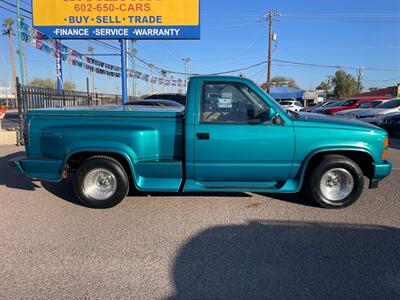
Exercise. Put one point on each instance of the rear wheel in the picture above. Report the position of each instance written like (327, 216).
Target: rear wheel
(336, 182)
(101, 182)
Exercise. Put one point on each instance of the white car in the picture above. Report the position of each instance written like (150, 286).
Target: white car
(292, 105)
(370, 115)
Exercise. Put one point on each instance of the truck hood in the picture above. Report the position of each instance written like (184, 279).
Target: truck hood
(318, 120)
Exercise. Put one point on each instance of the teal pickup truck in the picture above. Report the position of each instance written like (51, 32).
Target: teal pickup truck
(230, 136)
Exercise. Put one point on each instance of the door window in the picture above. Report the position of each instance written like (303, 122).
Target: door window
(232, 103)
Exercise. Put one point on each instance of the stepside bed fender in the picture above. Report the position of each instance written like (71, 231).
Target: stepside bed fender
(103, 147)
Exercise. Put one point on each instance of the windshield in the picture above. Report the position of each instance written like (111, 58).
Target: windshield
(389, 104)
(348, 102)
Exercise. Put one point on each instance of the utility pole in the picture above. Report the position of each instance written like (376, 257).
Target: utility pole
(268, 17)
(360, 75)
(186, 60)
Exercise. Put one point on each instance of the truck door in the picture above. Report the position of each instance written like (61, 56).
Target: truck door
(236, 143)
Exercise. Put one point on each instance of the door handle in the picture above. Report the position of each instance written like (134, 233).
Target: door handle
(202, 136)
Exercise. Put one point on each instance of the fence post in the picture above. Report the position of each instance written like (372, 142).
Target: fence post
(63, 95)
(116, 99)
(18, 99)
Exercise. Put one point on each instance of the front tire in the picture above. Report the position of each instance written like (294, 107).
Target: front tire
(101, 182)
(336, 182)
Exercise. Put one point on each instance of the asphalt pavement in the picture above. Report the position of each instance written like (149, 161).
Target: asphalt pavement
(196, 246)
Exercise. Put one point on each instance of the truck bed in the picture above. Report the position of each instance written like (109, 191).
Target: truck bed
(149, 138)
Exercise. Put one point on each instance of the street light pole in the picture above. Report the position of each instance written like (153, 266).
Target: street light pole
(134, 52)
(151, 79)
(91, 50)
(123, 72)
(186, 60)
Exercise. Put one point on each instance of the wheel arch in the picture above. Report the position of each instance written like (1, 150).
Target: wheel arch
(362, 157)
(75, 158)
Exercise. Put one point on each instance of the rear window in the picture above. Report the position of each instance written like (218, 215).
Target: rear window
(286, 103)
(389, 104)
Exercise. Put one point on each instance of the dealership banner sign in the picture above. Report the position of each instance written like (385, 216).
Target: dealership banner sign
(117, 19)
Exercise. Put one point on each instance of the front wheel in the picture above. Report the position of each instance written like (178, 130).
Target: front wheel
(101, 182)
(336, 182)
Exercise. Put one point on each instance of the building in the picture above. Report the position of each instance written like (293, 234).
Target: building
(392, 91)
(6, 94)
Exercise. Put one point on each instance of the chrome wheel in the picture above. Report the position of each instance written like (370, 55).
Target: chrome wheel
(336, 184)
(99, 184)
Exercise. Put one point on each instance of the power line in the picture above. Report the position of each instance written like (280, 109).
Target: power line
(13, 5)
(14, 12)
(335, 66)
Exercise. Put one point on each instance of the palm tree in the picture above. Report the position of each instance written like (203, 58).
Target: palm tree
(8, 30)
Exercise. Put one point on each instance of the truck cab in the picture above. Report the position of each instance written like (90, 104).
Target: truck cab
(230, 136)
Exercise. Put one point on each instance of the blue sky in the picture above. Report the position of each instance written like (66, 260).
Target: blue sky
(347, 33)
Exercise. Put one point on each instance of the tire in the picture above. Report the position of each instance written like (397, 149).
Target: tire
(101, 182)
(336, 182)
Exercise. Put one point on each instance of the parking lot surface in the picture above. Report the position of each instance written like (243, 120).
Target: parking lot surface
(168, 246)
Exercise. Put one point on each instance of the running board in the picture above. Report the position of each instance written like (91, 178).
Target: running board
(240, 186)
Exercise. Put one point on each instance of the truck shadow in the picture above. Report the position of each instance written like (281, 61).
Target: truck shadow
(11, 179)
(289, 260)
(64, 191)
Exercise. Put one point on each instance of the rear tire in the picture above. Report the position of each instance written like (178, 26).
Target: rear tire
(336, 182)
(101, 182)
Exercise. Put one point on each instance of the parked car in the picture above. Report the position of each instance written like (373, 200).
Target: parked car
(3, 104)
(232, 136)
(292, 105)
(154, 103)
(370, 115)
(351, 113)
(350, 104)
(390, 122)
(180, 98)
(319, 109)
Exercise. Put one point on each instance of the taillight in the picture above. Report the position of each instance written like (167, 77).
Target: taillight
(26, 134)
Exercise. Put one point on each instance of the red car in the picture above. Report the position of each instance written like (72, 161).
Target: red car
(351, 104)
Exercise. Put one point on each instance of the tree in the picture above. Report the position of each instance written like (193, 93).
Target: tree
(8, 30)
(344, 84)
(282, 80)
(51, 84)
(324, 86)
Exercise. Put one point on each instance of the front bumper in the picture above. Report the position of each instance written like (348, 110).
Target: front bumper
(381, 171)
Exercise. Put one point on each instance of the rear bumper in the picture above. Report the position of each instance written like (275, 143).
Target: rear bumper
(16, 165)
(50, 170)
(381, 171)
